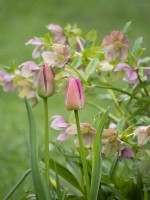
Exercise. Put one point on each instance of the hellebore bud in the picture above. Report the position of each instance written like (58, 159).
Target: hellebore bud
(45, 82)
(75, 97)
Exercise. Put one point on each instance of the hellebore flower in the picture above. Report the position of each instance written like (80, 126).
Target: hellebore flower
(131, 75)
(126, 153)
(28, 69)
(116, 45)
(143, 134)
(58, 57)
(38, 45)
(58, 32)
(75, 97)
(60, 123)
(110, 142)
(45, 82)
(88, 133)
(7, 80)
(27, 89)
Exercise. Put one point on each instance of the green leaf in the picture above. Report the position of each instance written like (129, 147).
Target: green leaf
(77, 61)
(127, 27)
(90, 38)
(121, 124)
(65, 174)
(96, 157)
(137, 50)
(58, 184)
(75, 170)
(90, 69)
(39, 187)
(47, 39)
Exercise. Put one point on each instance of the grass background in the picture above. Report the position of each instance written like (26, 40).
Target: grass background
(22, 20)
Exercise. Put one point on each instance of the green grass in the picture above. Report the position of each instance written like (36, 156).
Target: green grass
(22, 20)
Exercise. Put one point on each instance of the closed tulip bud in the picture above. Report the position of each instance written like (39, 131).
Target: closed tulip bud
(75, 97)
(45, 82)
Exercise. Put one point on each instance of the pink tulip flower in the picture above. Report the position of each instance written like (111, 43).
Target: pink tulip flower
(75, 97)
(45, 82)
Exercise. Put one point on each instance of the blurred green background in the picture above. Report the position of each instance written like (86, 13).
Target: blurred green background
(22, 20)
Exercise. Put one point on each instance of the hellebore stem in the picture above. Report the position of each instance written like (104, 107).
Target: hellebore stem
(46, 139)
(82, 155)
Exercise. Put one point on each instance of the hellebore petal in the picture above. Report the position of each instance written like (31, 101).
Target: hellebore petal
(59, 123)
(45, 82)
(75, 97)
(130, 74)
(28, 68)
(63, 136)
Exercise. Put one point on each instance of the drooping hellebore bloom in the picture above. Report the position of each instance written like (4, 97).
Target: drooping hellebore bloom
(111, 142)
(126, 153)
(130, 76)
(88, 134)
(75, 97)
(116, 45)
(7, 81)
(28, 69)
(58, 56)
(45, 82)
(58, 32)
(60, 123)
(143, 134)
(38, 45)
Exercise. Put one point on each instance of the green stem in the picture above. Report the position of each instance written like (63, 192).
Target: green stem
(46, 140)
(114, 118)
(82, 155)
(17, 184)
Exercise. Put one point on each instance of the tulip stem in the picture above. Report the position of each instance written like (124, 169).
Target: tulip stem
(82, 155)
(46, 139)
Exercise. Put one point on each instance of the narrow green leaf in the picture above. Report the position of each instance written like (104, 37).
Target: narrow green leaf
(58, 189)
(90, 69)
(137, 45)
(37, 180)
(90, 38)
(75, 171)
(121, 124)
(127, 27)
(96, 157)
(17, 184)
(77, 61)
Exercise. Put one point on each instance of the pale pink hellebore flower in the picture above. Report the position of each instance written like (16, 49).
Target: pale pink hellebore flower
(75, 97)
(38, 45)
(131, 75)
(88, 134)
(116, 45)
(45, 82)
(110, 142)
(143, 134)
(58, 32)
(60, 123)
(28, 69)
(7, 80)
(58, 57)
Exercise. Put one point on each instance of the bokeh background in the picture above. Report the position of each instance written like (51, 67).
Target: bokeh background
(22, 20)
